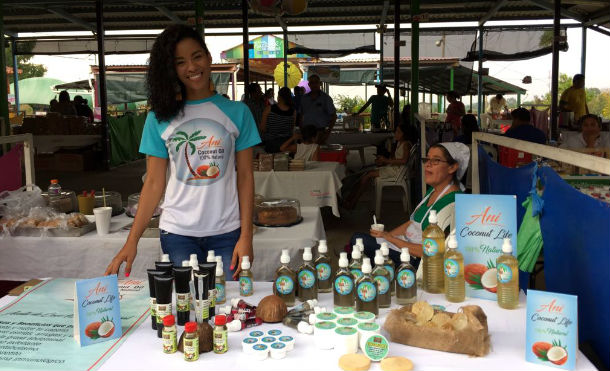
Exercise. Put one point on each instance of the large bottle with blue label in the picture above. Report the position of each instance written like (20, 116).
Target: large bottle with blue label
(382, 278)
(284, 284)
(507, 267)
(389, 265)
(366, 290)
(306, 277)
(433, 256)
(323, 270)
(406, 287)
(355, 267)
(455, 286)
(344, 284)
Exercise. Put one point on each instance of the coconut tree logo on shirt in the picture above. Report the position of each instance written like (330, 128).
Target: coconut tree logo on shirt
(200, 150)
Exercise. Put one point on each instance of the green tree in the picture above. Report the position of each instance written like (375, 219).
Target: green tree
(600, 104)
(28, 69)
(188, 141)
(349, 104)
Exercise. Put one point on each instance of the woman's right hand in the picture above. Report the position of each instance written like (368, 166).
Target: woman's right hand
(127, 254)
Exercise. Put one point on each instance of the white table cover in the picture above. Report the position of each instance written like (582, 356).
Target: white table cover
(316, 186)
(143, 350)
(23, 258)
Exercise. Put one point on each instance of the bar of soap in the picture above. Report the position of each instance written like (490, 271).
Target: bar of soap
(396, 364)
(354, 362)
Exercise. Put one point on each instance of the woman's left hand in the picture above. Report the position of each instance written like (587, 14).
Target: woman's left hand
(379, 234)
(243, 247)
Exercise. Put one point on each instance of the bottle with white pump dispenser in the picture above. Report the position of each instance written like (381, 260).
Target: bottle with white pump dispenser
(323, 269)
(221, 293)
(382, 279)
(389, 265)
(306, 276)
(246, 280)
(355, 266)
(284, 284)
(406, 287)
(344, 284)
(366, 290)
(360, 243)
(455, 286)
(507, 267)
(433, 247)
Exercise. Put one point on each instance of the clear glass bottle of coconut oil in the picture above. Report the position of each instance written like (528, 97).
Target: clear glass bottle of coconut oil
(406, 287)
(308, 288)
(507, 268)
(366, 290)
(344, 284)
(284, 285)
(433, 256)
(455, 286)
(382, 279)
(323, 269)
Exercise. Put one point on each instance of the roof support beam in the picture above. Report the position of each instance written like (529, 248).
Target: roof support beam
(600, 17)
(492, 12)
(544, 4)
(65, 15)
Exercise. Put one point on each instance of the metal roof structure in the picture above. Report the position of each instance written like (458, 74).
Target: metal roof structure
(77, 15)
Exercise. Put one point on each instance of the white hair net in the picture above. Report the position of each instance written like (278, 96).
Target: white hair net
(460, 153)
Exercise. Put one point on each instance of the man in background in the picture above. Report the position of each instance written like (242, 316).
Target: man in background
(318, 109)
(522, 128)
(574, 98)
(497, 104)
(380, 106)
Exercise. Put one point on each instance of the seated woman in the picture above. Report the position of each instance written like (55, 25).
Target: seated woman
(278, 121)
(307, 149)
(405, 137)
(590, 136)
(444, 165)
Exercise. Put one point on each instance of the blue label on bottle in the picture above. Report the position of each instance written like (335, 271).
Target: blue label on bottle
(383, 285)
(405, 278)
(344, 285)
(430, 247)
(357, 273)
(323, 270)
(367, 291)
(391, 270)
(505, 274)
(284, 285)
(245, 286)
(452, 268)
(220, 293)
(306, 279)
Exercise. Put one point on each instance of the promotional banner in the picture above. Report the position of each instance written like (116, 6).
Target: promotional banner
(97, 312)
(551, 329)
(36, 330)
(482, 223)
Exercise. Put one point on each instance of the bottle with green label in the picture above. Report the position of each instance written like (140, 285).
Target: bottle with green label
(323, 268)
(284, 284)
(383, 281)
(507, 267)
(219, 334)
(389, 265)
(191, 342)
(344, 284)
(406, 287)
(455, 286)
(433, 247)
(355, 266)
(366, 290)
(169, 334)
(246, 280)
(221, 292)
(306, 276)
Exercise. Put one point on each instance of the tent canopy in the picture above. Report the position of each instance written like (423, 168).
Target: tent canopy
(40, 90)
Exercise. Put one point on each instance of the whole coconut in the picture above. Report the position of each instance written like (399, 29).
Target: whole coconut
(271, 309)
(204, 330)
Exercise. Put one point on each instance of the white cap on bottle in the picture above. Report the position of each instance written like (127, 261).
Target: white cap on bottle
(165, 258)
(307, 256)
(343, 255)
(234, 325)
(322, 246)
(312, 302)
(385, 249)
(285, 257)
(360, 241)
(452, 244)
(245, 262)
(211, 257)
(379, 260)
(356, 252)
(219, 266)
(404, 255)
(186, 263)
(507, 247)
(432, 218)
(194, 262)
(343, 262)
(366, 266)
(378, 252)
(193, 257)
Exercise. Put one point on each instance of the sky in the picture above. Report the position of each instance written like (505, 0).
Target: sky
(76, 67)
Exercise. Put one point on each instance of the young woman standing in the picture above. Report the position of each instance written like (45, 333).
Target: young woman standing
(206, 141)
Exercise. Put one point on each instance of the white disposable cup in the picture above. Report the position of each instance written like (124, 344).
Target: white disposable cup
(102, 219)
(377, 227)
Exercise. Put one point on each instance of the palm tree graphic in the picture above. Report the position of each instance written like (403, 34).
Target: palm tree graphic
(181, 137)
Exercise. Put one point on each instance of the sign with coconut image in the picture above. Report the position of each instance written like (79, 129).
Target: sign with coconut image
(551, 329)
(97, 312)
(481, 224)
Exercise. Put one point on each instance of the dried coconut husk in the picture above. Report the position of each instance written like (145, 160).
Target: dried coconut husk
(271, 309)
(204, 330)
(472, 340)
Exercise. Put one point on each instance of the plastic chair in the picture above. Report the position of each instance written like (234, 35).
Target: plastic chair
(403, 180)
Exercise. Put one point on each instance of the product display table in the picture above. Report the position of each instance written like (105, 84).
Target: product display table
(316, 186)
(23, 258)
(143, 350)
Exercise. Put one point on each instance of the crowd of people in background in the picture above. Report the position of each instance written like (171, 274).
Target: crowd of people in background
(65, 106)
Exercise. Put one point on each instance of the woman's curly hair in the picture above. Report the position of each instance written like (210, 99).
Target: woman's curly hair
(162, 82)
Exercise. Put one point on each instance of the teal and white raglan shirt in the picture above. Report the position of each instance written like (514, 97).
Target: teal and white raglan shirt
(201, 196)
